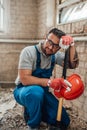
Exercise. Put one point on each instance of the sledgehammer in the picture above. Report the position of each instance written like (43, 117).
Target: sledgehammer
(59, 112)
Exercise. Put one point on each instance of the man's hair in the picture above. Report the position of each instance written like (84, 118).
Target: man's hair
(57, 32)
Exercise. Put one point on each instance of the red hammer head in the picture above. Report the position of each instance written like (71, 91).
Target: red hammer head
(74, 90)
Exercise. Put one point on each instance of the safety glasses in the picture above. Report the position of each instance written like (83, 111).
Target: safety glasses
(54, 45)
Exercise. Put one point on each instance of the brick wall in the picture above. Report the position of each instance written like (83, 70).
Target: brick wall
(79, 31)
(79, 104)
(42, 16)
(9, 57)
(22, 22)
(46, 17)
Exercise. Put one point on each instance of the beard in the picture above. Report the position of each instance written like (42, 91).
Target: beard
(44, 50)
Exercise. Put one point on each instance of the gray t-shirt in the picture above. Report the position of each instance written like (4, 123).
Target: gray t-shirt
(28, 59)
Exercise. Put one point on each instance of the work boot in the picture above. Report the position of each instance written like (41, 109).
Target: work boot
(51, 127)
(58, 127)
(26, 117)
(43, 126)
(33, 128)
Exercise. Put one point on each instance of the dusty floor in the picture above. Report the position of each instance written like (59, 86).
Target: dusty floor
(11, 114)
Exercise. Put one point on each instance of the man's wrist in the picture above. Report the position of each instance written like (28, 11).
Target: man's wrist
(48, 83)
(72, 44)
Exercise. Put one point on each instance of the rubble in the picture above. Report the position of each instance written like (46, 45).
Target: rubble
(11, 117)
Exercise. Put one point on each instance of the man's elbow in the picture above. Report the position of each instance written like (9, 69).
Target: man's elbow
(23, 81)
(74, 64)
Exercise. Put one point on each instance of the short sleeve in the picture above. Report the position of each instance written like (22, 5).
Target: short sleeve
(25, 59)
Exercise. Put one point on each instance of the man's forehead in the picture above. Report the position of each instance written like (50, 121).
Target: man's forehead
(53, 36)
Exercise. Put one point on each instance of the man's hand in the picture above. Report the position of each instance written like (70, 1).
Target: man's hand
(56, 85)
(67, 40)
(70, 89)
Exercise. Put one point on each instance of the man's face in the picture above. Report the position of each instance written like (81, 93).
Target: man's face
(51, 44)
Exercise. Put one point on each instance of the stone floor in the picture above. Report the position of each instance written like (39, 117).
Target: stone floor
(11, 114)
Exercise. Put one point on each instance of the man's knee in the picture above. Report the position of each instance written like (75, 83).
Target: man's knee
(35, 93)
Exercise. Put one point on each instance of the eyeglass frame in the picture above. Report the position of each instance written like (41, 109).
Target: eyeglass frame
(54, 45)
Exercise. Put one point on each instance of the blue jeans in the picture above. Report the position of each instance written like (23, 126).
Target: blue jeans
(40, 105)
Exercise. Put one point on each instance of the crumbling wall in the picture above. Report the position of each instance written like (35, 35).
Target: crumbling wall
(21, 29)
(22, 20)
(9, 57)
(79, 104)
(77, 29)
(79, 32)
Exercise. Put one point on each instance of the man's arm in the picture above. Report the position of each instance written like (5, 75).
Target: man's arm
(26, 78)
(73, 58)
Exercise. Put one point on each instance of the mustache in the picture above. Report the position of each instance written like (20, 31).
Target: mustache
(48, 54)
(44, 51)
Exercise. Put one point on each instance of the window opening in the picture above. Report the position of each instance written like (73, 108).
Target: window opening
(72, 12)
(1, 15)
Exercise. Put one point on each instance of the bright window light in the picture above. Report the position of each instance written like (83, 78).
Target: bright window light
(73, 13)
(1, 15)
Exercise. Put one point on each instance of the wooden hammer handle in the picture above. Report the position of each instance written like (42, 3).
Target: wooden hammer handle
(59, 109)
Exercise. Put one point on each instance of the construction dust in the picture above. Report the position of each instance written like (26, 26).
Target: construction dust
(11, 114)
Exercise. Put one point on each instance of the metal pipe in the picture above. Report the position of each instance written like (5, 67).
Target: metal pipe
(81, 38)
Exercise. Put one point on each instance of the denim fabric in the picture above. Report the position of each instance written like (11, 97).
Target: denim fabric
(40, 104)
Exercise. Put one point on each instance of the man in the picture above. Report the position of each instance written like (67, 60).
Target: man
(33, 82)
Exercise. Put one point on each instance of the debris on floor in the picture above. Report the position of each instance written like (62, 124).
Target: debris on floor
(11, 117)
